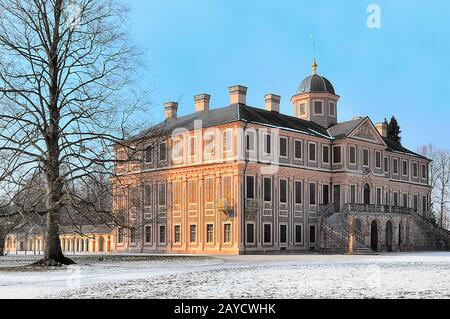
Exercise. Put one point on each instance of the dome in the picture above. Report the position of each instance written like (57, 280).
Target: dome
(316, 84)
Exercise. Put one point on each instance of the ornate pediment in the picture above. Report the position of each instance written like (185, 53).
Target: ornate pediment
(367, 132)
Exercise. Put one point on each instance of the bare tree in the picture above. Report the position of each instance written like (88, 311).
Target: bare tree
(439, 178)
(68, 75)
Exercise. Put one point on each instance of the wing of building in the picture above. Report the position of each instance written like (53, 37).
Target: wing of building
(242, 179)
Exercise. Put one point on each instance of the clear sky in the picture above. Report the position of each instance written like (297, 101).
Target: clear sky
(401, 69)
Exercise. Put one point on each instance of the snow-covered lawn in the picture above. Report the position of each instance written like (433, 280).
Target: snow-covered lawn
(405, 275)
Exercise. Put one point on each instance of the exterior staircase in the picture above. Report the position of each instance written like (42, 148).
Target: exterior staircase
(439, 235)
(336, 234)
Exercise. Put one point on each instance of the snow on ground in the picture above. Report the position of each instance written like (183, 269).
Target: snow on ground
(403, 275)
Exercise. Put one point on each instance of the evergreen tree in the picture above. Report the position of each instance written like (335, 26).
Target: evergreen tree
(393, 131)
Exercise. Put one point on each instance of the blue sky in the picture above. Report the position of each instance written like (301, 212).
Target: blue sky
(204, 46)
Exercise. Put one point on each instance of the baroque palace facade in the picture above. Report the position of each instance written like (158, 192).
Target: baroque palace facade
(240, 179)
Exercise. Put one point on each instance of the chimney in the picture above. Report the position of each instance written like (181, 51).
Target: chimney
(170, 110)
(202, 102)
(382, 128)
(238, 94)
(272, 102)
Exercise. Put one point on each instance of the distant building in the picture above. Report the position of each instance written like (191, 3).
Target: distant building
(240, 179)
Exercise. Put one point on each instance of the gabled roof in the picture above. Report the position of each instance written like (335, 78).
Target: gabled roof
(343, 129)
(396, 147)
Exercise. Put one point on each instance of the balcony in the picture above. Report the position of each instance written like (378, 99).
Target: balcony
(372, 208)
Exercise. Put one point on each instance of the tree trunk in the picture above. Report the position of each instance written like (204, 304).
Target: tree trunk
(2, 246)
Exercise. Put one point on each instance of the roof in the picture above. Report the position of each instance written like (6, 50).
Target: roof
(397, 147)
(343, 129)
(237, 112)
(240, 112)
(316, 84)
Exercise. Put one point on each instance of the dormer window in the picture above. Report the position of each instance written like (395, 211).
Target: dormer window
(318, 107)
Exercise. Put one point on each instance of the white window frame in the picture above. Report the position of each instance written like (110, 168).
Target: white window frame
(381, 159)
(315, 152)
(349, 155)
(231, 234)
(196, 234)
(330, 155)
(159, 152)
(145, 154)
(340, 160)
(264, 135)
(253, 145)
(271, 235)
(295, 234)
(403, 163)
(314, 107)
(159, 235)
(254, 186)
(300, 109)
(279, 191)
(174, 234)
(210, 152)
(301, 148)
(227, 140)
(206, 233)
(386, 168)
(287, 234)
(395, 166)
(422, 171)
(332, 106)
(417, 171)
(194, 138)
(254, 233)
(368, 157)
(287, 147)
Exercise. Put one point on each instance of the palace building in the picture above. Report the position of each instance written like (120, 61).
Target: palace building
(241, 179)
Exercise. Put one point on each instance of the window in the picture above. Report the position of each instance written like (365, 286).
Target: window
(283, 191)
(162, 194)
(312, 152)
(416, 202)
(424, 204)
(162, 152)
(405, 168)
(405, 200)
(386, 164)
(395, 164)
(298, 192)
(177, 150)
(395, 199)
(336, 155)
(209, 144)
(250, 233)
(176, 193)
(332, 109)
(209, 190)
(302, 109)
(352, 155)
(147, 195)
(424, 171)
(227, 193)
(378, 159)
(283, 234)
(318, 107)
(227, 141)
(149, 154)
(250, 187)
(227, 233)
(267, 189)
(250, 141)
(133, 235)
(388, 199)
(298, 149)
(298, 234)
(378, 196)
(325, 194)
(177, 234)
(267, 233)
(325, 154)
(192, 146)
(353, 194)
(415, 170)
(283, 147)
(365, 157)
(148, 234)
(162, 234)
(209, 233)
(312, 194)
(192, 233)
(120, 236)
(192, 192)
(312, 234)
(267, 143)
